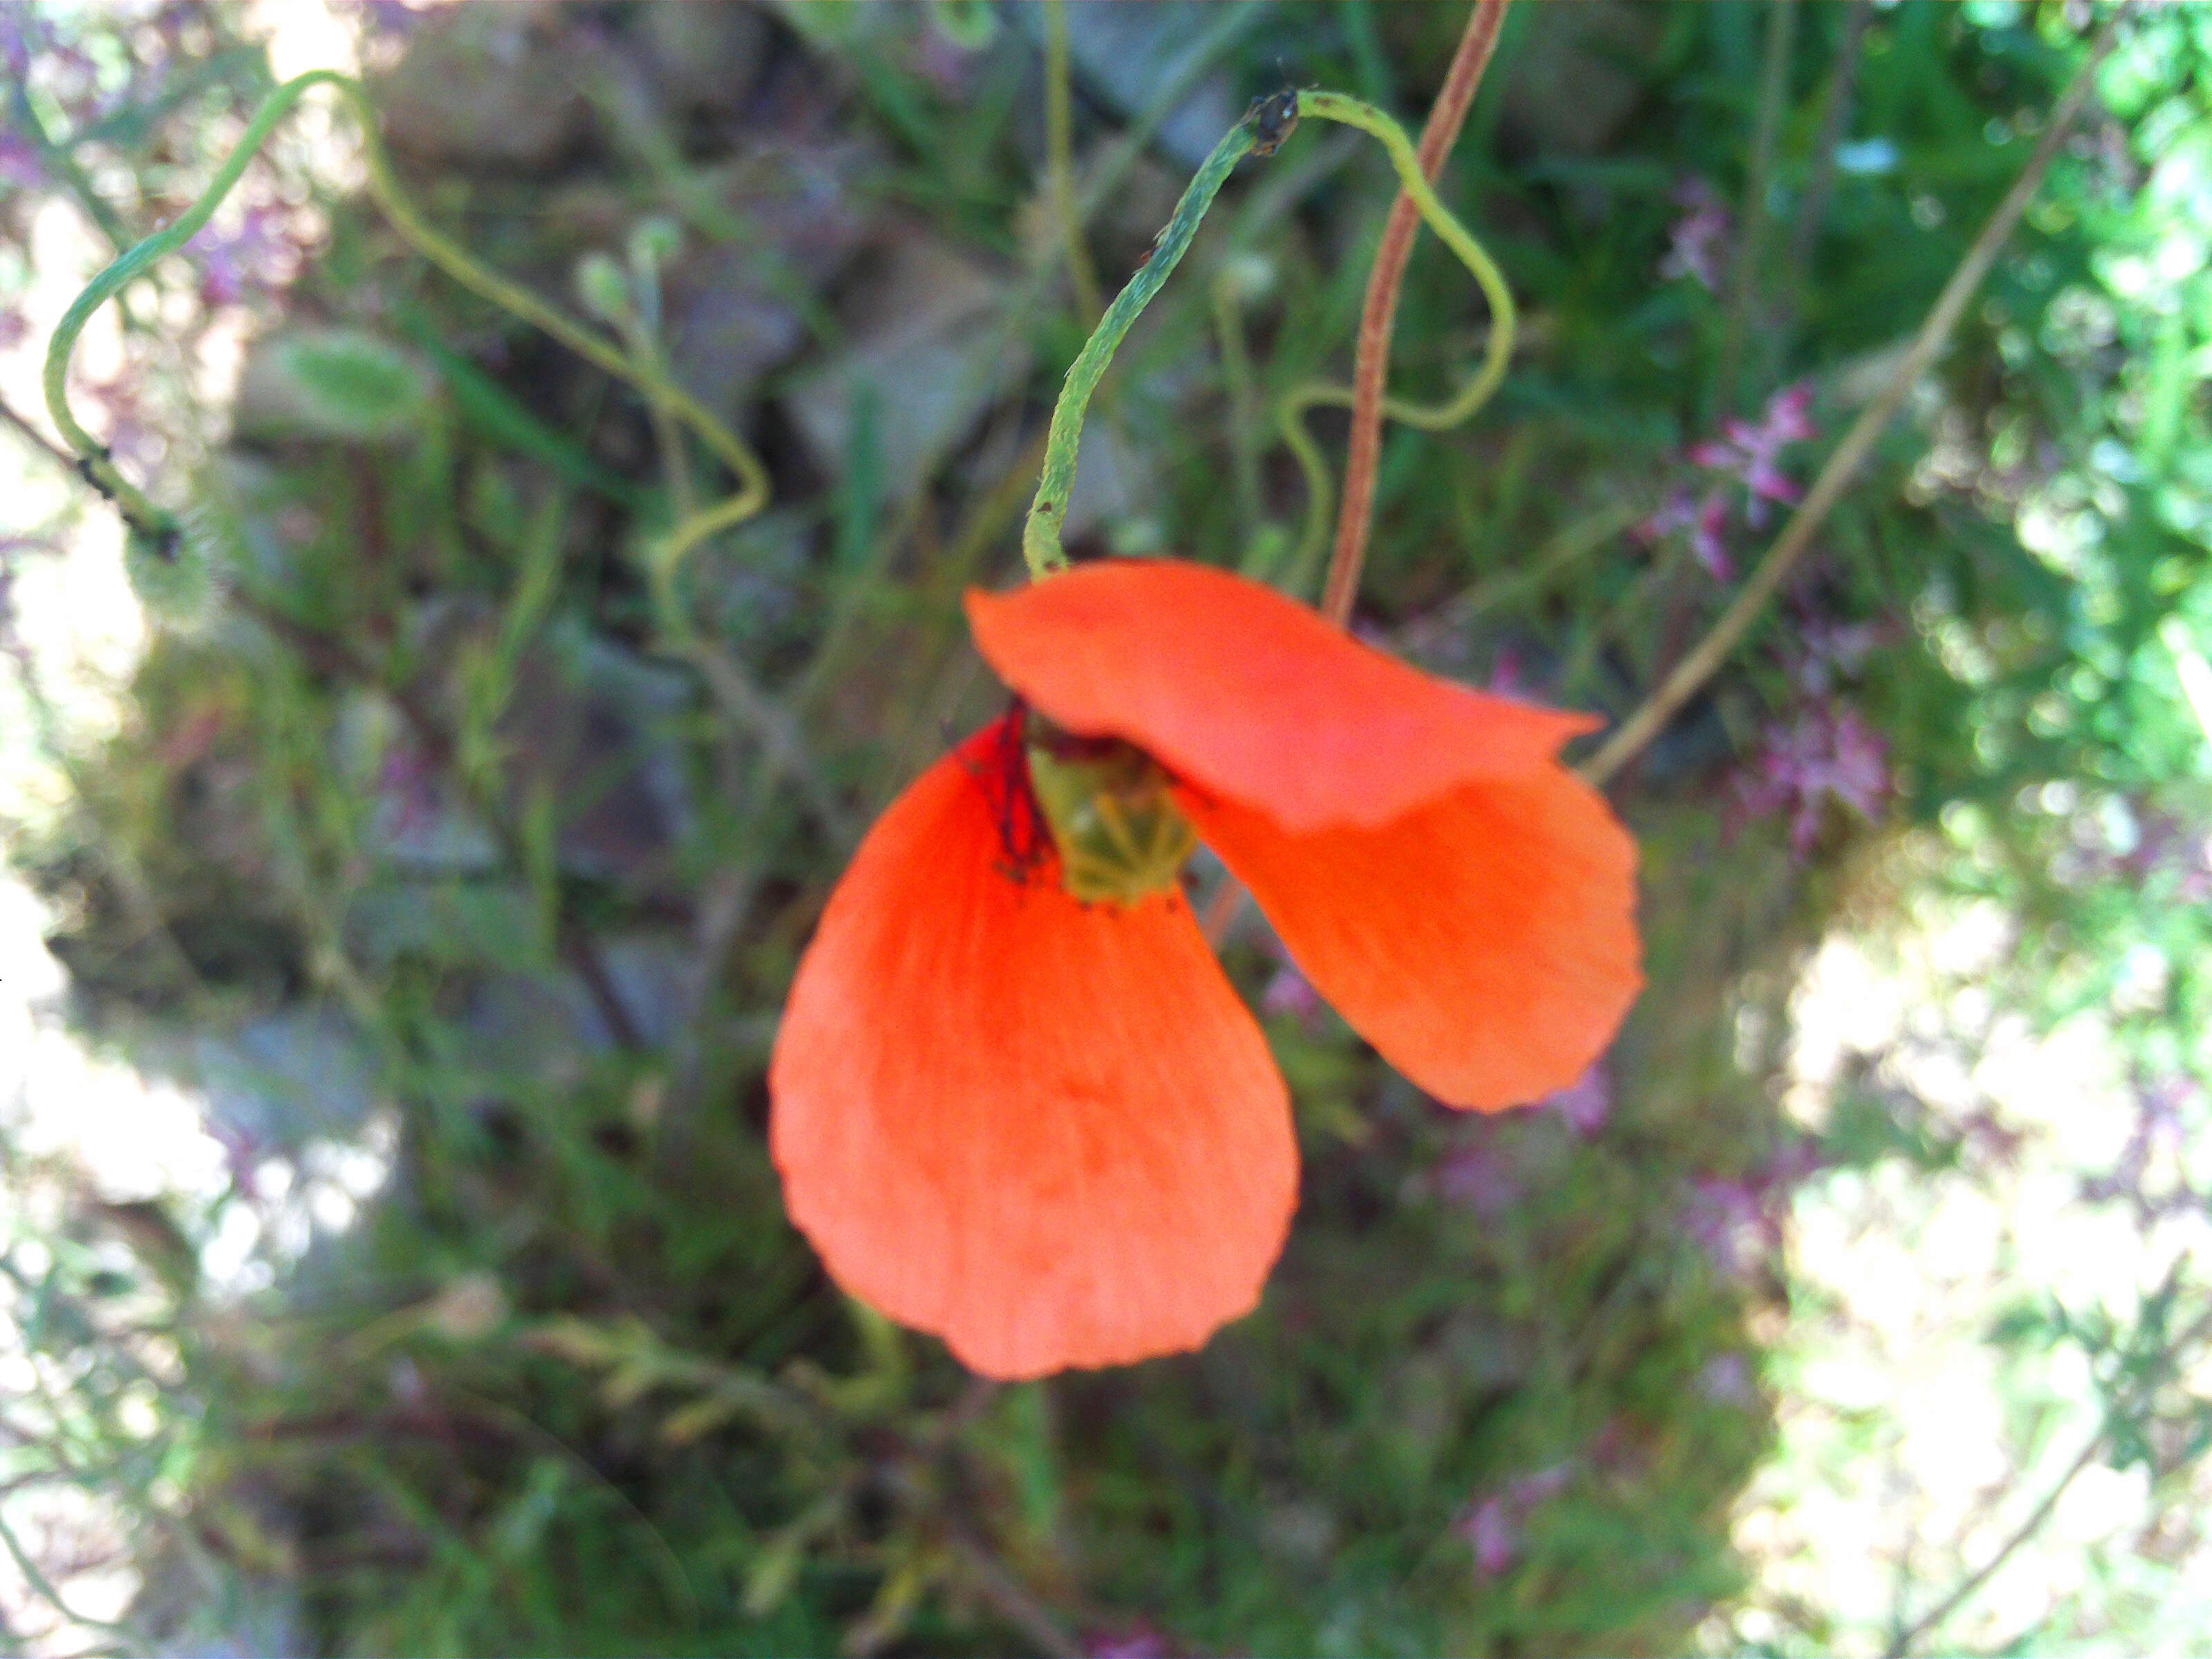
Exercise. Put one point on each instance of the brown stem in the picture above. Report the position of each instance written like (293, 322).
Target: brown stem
(1707, 655)
(1371, 363)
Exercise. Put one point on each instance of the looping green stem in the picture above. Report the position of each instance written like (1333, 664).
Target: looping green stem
(1290, 418)
(150, 519)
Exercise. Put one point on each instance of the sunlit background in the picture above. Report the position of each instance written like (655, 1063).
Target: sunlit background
(1859, 1301)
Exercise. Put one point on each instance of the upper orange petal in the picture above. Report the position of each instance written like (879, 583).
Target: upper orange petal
(1050, 1133)
(1251, 695)
(1486, 943)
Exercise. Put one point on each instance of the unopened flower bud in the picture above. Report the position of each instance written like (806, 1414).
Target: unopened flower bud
(603, 288)
(654, 241)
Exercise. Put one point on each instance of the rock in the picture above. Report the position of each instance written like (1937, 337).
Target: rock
(704, 54)
(496, 84)
(929, 350)
(1568, 91)
(793, 229)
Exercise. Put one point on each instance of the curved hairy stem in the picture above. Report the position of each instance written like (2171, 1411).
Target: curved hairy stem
(1041, 547)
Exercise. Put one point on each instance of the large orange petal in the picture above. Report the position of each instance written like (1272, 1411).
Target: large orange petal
(1050, 1133)
(1486, 943)
(1250, 695)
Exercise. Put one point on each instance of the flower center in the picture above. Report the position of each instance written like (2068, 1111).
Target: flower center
(1108, 807)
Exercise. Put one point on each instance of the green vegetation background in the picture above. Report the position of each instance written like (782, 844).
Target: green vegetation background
(421, 827)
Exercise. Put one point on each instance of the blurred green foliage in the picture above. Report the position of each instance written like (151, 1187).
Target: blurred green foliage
(421, 825)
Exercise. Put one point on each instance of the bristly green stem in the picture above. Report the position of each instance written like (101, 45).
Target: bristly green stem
(1041, 546)
(153, 521)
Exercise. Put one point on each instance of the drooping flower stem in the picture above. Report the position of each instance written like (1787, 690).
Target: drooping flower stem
(160, 526)
(1263, 127)
(1041, 547)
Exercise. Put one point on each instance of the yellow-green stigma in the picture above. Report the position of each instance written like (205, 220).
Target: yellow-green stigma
(1112, 820)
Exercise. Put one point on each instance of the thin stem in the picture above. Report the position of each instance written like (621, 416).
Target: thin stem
(1706, 657)
(1902, 1642)
(1773, 92)
(1379, 313)
(1343, 575)
(37, 439)
(1237, 382)
(1014, 1600)
(2163, 1365)
(449, 257)
(1059, 169)
(1041, 547)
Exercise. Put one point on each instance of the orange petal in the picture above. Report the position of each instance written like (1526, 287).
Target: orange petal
(1050, 1133)
(1251, 695)
(1486, 943)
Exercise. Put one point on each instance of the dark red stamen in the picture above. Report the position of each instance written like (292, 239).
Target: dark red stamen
(1024, 838)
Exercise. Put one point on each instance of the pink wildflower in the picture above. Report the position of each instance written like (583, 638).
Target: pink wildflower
(1705, 521)
(251, 257)
(1492, 1528)
(1290, 992)
(1696, 241)
(1586, 1102)
(1828, 752)
(19, 162)
(1748, 452)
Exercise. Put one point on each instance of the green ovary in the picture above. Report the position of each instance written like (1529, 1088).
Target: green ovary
(1112, 820)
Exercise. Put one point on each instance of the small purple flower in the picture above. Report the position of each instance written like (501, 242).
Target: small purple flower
(1705, 521)
(1505, 677)
(1586, 1102)
(1492, 1528)
(1489, 1532)
(15, 327)
(407, 793)
(1725, 1379)
(1478, 1176)
(19, 162)
(390, 17)
(1748, 452)
(1290, 992)
(1828, 751)
(251, 257)
(1833, 652)
(23, 32)
(2158, 1141)
(1730, 1220)
(1697, 242)
(1738, 1221)
(1138, 1641)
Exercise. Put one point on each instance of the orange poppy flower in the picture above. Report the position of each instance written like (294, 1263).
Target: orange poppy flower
(1041, 1125)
